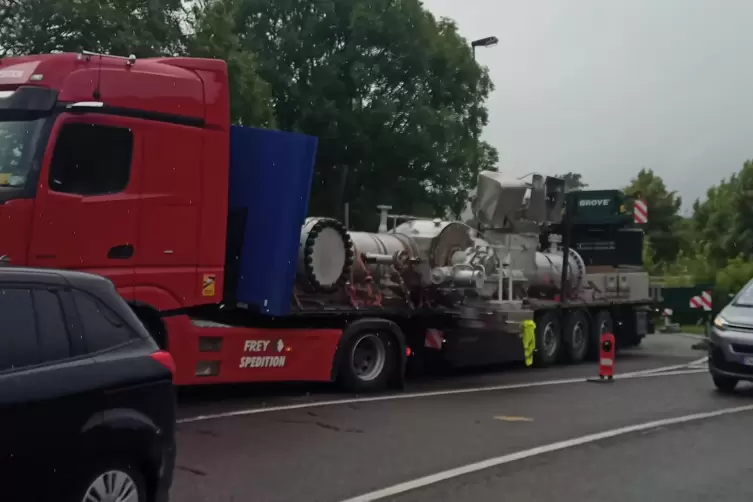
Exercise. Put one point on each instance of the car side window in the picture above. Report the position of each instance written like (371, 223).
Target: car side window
(52, 328)
(91, 159)
(103, 328)
(18, 338)
(35, 329)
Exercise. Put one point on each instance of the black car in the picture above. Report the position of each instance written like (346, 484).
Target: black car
(87, 406)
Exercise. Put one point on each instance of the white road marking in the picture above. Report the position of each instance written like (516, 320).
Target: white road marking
(665, 369)
(539, 450)
(656, 372)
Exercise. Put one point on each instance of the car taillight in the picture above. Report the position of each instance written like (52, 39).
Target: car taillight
(165, 359)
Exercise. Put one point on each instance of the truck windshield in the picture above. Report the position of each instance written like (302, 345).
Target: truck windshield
(17, 145)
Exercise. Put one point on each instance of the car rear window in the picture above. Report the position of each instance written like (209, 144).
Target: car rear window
(103, 328)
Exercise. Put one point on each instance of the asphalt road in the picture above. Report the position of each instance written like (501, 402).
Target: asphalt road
(295, 443)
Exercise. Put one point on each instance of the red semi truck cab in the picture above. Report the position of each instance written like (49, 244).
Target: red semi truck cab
(117, 167)
(120, 167)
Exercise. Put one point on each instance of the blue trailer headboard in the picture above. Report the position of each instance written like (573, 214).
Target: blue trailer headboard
(270, 180)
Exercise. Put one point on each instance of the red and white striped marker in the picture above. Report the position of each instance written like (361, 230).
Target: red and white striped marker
(667, 312)
(702, 302)
(706, 300)
(433, 339)
(640, 211)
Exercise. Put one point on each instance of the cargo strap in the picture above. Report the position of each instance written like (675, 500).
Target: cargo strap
(529, 340)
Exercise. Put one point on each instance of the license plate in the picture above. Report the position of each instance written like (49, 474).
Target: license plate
(748, 361)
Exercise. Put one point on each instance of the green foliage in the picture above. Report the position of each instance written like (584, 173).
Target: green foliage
(573, 181)
(723, 223)
(664, 224)
(717, 241)
(392, 93)
(212, 36)
(140, 27)
(731, 278)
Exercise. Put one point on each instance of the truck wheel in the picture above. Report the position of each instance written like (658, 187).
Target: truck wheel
(368, 361)
(548, 340)
(602, 324)
(577, 336)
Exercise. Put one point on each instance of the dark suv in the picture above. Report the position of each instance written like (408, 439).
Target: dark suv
(87, 406)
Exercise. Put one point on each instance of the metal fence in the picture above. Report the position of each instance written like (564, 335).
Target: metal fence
(678, 298)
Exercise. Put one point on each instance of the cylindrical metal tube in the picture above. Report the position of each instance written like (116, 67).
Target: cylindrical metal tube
(549, 271)
(387, 245)
(381, 259)
(462, 276)
(325, 256)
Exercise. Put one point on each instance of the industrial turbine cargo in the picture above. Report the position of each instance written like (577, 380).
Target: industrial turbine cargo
(422, 261)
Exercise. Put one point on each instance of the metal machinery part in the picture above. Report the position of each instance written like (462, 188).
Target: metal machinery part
(462, 276)
(443, 252)
(435, 248)
(444, 248)
(325, 259)
(378, 254)
(437, 240)
(549, 271)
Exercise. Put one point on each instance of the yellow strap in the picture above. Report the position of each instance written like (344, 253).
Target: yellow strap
(529, 340)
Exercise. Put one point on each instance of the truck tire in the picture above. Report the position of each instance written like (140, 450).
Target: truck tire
(577, 336)
(368, 361)
(548, 340)
(602, 324)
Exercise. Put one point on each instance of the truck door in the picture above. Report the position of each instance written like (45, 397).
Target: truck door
(86, 211)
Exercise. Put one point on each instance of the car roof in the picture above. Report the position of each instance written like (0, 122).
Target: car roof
(53, 277)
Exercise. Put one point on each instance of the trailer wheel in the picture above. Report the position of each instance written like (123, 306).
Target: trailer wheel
(368, 362)
(602, 324)
(548, 340)
(577, 336)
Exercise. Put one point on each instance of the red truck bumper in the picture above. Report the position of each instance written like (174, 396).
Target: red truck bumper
(207, 353)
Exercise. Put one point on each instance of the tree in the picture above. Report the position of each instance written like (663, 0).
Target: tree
(664, 223)
(723, 223)
(392, 93)
(212, 36)
(573, 181)
(201, 28)
(123, 27)
(732, 278)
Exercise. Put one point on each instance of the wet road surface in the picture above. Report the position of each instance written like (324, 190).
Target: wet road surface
(311, 444)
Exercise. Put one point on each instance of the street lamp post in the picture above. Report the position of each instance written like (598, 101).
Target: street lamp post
(483, 42)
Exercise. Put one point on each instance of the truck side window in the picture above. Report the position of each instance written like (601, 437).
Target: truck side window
(91, 159)
(103, 328)
(35, 328)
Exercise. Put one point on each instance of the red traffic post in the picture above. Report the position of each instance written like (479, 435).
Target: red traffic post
(606, 358)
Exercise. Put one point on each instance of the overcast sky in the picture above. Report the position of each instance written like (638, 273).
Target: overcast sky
(605, 87)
